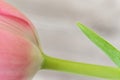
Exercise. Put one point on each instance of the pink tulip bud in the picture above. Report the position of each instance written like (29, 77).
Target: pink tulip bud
(20, 56)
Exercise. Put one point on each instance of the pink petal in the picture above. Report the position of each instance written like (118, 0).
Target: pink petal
(14, 56)
(20, 56)
(13, 13)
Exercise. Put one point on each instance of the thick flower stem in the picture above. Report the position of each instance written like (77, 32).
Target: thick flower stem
(51, 63)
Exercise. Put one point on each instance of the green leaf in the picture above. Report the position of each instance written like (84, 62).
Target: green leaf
(109, 49)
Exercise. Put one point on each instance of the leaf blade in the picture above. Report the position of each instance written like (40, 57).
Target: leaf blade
(104, 45)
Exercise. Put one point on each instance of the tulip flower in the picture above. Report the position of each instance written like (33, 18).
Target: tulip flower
(21, 55)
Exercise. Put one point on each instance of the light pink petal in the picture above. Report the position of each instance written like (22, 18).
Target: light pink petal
(20, 56)
(13, 13)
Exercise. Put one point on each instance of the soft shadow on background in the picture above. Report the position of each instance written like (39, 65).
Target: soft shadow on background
(55, 21)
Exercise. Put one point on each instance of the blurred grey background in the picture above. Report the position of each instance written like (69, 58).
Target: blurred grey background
(55, 21)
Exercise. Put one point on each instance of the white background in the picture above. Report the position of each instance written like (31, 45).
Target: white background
(55, 21)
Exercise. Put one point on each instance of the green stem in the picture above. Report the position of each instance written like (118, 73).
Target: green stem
(51, 63)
